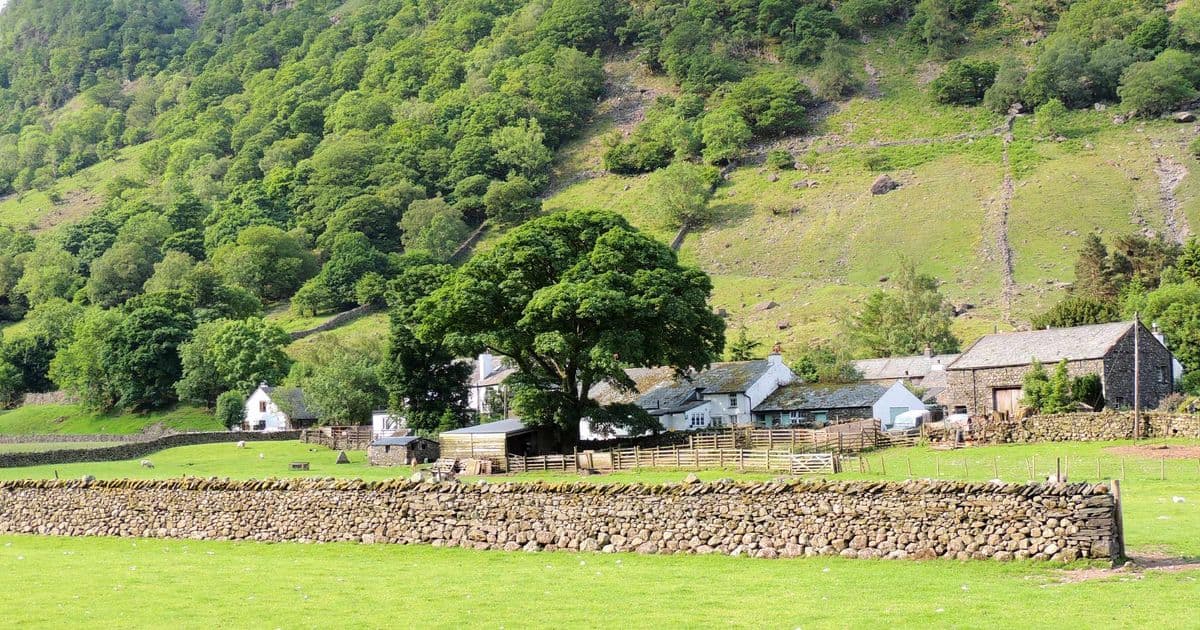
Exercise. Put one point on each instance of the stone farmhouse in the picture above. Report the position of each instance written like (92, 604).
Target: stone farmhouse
(988, 376)
(264, 413)
(401, 450)
(818, 405)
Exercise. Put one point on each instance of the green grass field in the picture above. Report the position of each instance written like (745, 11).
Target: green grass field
(107, 582)
(140, 583)
(67, 418)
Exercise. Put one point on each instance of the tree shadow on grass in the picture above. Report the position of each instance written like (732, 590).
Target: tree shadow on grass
(727, 214)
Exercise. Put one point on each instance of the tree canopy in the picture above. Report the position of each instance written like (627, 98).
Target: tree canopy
(571, 299)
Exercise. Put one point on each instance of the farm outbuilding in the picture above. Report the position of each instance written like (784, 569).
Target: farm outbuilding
(495, 440)
(401, 451)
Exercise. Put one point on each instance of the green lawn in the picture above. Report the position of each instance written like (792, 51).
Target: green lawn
(108, 582)
(65, 418)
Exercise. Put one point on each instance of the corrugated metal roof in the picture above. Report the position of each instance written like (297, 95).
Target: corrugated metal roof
(1048, 346)
(892, 368)
(800, 396)
(510, 426)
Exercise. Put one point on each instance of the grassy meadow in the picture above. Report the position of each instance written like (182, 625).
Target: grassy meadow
(72, 418)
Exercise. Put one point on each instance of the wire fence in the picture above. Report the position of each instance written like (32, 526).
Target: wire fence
(966, 466)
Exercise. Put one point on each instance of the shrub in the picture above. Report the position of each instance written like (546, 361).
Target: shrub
(781, 160)
(1006, 87)
(1050, 118)
(231, 409)
(964, 82)
(1194, 147)
(1156, 87)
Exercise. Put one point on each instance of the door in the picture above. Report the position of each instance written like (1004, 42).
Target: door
(1006, 400)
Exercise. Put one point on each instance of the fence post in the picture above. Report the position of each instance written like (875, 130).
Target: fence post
(696, 458)
(678, 463)
(721, 457)
(768, 459)
(637, 457)
(1119, 517)
(741, 460)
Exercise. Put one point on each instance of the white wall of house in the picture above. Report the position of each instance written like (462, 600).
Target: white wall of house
(737, 408)
(384, 422)
(262, 414)
(693, 419)
(895, 401)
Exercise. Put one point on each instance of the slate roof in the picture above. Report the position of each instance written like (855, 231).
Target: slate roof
(1048, 346)
(644, 380)
(893, 368)
(396, 440)
(803, 396)
(510, 426)
(495, 377)
(294, 397)
(676, 398)
(730, 377)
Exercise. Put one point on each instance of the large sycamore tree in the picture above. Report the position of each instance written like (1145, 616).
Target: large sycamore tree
(572, 299)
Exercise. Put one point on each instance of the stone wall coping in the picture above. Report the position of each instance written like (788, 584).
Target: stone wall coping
(797, 486)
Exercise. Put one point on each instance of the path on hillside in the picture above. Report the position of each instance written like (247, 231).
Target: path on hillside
(996, 244)
(1170, 175)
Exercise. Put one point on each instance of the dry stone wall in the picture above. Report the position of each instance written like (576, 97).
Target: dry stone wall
(912, 519)
(1086, 427)
(133, 450)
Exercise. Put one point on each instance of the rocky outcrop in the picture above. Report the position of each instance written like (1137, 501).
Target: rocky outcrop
(912, 519)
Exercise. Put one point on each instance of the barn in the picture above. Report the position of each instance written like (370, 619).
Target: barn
(401, 451)
(495, 440)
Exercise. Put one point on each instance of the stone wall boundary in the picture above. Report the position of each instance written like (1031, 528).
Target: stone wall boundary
(914, 519)
(136, 449)
(341, 319)
(1099, 426)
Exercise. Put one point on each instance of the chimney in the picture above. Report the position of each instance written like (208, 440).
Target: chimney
(776, 357)
(1158, 334)
(928, 351)
(487, 363)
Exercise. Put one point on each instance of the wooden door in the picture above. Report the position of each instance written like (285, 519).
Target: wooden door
(1006, 400)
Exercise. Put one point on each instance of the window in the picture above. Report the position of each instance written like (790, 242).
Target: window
(733, 401)
(795, 415)
(1162, 374)
(696, 421)
(262, 406)
(820, 418)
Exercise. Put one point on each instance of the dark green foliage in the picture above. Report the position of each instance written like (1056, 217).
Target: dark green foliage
(771, 103)
(825, 364)
(231, 408)
(571, 299)
(964, 81)
(1158, 86)
(145, 356)
(1007, 87)
(424, 380)
(904, 321)
(1077, 310)
(781, 160)
(231, 355)
(1088, 390)
(1095, 277)
(1034, 386)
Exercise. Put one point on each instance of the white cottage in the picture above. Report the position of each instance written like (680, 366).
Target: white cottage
(385, 423)
(263, 412)
(723, 395)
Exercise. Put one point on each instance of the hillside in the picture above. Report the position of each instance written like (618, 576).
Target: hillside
(229, 161)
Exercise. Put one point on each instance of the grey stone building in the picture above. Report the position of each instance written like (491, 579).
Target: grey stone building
(401, 450)
(989, 374)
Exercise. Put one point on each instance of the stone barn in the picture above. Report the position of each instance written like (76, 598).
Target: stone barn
(401, 451)
(989, 375)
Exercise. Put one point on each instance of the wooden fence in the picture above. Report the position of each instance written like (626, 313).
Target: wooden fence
(679, 458)
(355, 438)
(845, 438)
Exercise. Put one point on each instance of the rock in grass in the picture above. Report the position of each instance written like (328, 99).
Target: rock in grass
(883, 185)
